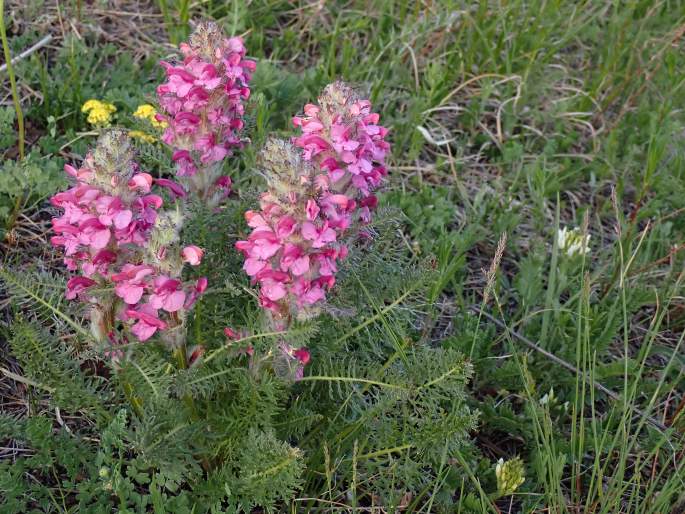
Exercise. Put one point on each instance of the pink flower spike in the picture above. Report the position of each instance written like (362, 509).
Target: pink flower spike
(203, 103)
(344, 139)
(106, 231)
(192, 255)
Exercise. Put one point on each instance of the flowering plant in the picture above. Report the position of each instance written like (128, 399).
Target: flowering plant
(319, 194)
(218, 422)
(573, 242)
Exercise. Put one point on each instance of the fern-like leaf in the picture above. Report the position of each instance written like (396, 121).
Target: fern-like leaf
(42, 294)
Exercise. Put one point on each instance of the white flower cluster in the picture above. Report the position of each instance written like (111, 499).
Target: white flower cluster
(573, 242)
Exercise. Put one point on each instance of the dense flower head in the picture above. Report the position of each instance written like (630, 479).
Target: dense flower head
(510, 476)
(203, 103)
(99, 112)
(342, 137)
(297, 235)
(316, 194)
(124, 249)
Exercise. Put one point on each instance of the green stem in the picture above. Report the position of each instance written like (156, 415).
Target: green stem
(13, 81)
(182, 361)
(17, 107)
(130, 396)
(181, 355)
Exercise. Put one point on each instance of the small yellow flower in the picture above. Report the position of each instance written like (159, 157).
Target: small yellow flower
(144, 112)
(149, 113)
(99, 113)
(138, 134)
(510, 475)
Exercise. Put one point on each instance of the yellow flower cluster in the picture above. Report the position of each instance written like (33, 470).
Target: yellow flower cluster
(99, 113)
(148, 112)
(139, 134)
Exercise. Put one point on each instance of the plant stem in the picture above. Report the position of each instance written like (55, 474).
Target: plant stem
(130, 396)
(182, 361)
(13, 81)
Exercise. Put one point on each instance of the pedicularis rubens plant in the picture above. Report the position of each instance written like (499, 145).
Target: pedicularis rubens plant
(319, 358)
(317, 200)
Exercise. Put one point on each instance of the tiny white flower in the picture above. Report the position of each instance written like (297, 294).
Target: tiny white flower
(548, 397)
(573, 242)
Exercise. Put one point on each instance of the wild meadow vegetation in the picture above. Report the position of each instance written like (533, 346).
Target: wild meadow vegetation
(246, 292)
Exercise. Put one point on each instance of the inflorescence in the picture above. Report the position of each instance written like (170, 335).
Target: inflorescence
(203, 104)
(124, 250)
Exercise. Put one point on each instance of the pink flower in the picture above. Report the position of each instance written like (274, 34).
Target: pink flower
(298, 358)
(185, 167)
(147, 321)
(167, 294)
(141, 182)
(222, 187)
(273, 289)
(93, 233)
(192, 255)
(111, 211)
(131, 282)
(77, 285)
(199, 288)
(175, 188)
(99, 264)
(312, 209)
(231, 334)
(318, 236)
(201, 285)
(253, 266)
(302, 354)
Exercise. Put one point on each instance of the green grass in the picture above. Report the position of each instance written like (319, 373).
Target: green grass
(507, 117)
